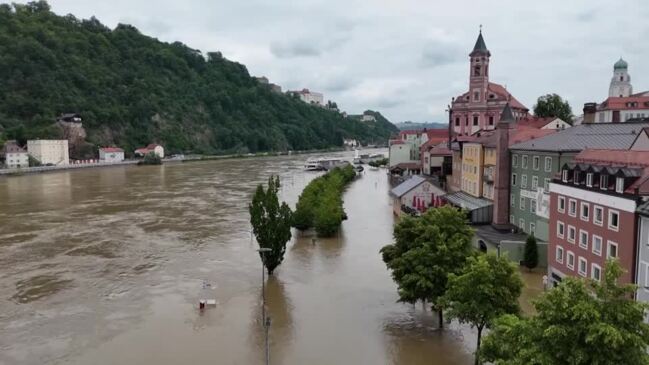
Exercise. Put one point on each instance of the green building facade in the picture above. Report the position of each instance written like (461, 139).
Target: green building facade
(529, 201)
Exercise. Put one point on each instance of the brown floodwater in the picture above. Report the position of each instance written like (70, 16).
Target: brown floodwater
(106, 266)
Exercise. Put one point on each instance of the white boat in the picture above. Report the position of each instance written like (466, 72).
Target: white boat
(323, 164)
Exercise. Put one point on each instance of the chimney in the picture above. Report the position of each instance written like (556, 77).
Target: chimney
(501, 180)
(589, 113)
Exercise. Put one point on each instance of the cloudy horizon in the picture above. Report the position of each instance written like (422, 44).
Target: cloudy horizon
(406, 59)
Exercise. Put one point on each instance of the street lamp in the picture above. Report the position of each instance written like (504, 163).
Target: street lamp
(265, 321)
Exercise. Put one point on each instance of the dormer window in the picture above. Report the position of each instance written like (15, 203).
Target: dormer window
(575, 177)
(603, 182)
(619, 185)
(589, 179)
(564, 176)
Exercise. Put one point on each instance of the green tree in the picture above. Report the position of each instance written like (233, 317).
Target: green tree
(579, 322)
(531, 257)
(487, 288)
(425, 251)
(552, 105)
(271, 223)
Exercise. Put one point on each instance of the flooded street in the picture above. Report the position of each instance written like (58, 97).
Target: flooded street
(105, 266)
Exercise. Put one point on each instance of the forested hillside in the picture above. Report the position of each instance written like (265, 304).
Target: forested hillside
(132, 89)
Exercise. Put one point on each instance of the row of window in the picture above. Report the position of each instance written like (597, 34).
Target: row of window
(536, 162)
(596, 241)
(475, 120)
(584, 213)
(471, 169)
(521, 224)
(582, 264)
(470, 186)
(603, 180)
(535, 182)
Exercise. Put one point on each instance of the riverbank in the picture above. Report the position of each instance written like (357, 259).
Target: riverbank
(190, 158)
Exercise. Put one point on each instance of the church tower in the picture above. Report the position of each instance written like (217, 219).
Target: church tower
(479, 72)
(621, 81)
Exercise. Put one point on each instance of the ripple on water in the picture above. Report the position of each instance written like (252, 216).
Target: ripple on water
(40, 286)
(107, 250)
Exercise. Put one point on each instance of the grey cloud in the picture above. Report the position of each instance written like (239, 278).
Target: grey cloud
(300, 48)
(437, 54)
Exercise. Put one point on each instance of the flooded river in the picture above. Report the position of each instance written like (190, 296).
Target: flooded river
(106, 266)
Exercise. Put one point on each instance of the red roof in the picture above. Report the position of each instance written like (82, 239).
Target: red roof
(614, 157)
(499, 89)
(437, 133)
(517, 135)
(522, 135)
(111, 149)
(534, 122)
(621, 158)
(396, 141)
(617, 103)
(440, 150)
(152, 146)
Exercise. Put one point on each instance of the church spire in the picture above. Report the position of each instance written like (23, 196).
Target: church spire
(480, 45)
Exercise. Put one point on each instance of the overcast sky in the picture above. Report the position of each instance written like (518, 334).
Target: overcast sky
(404, 58)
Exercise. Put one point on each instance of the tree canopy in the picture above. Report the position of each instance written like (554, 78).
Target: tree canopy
(425, 251)
(271, 223)
(487, 288)
(552, 105)
(579, 322)
(321, 205)
(132, 90)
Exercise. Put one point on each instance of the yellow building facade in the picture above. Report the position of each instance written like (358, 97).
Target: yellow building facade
(489, 172)
(472, 169)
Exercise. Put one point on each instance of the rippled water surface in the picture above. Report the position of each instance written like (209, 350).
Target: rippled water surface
(105, 266)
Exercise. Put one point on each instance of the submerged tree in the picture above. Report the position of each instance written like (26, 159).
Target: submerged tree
(271, 223)
(579, 322)
(487, 288)
(426, 250)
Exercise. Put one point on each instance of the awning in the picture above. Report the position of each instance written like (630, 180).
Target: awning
(463, 200)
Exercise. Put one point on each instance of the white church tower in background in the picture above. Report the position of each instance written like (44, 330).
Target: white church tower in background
(621, 81)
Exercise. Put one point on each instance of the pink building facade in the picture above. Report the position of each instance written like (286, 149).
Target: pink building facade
(480, 107)
(593, 213)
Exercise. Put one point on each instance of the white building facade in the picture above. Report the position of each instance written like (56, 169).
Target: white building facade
(111, 154)
(49, 151)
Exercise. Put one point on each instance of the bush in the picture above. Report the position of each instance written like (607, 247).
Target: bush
(320, 205)
(151, 158)
(381, 162)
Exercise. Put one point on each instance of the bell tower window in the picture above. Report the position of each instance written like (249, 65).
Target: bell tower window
(476, 71)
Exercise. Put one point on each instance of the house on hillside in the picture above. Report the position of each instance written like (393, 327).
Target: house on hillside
(111, 154)
(15, 156)
(155, 148)
(49, 151)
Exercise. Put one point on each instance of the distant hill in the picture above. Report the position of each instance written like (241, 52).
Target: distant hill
(132, 90)
(415, 126)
